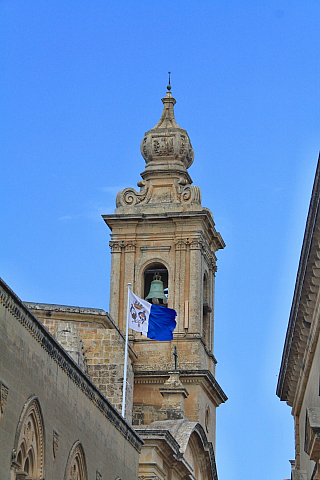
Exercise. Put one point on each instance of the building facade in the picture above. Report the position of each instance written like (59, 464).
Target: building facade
(299, 383)
(54, 421)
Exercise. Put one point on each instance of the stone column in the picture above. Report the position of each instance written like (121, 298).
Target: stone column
(115, 280)
(196, 281)
(180, 269)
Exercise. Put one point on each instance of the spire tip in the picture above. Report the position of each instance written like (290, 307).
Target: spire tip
(169, 86)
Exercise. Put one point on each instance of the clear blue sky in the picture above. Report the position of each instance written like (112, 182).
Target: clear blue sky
(81, 81)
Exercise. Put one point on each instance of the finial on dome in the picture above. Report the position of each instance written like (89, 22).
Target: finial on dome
(169, 86)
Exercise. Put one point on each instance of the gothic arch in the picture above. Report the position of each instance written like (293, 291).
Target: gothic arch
(29, 445)
(76, 468)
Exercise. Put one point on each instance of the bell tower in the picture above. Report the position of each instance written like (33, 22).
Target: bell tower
(163, 230)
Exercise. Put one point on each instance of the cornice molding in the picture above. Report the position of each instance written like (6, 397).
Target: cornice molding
(305, 294)
(188, 376)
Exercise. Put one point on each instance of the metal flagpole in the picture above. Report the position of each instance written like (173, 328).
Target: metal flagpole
(125, 358)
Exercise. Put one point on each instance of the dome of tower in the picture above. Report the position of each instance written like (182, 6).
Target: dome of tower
(167, 141)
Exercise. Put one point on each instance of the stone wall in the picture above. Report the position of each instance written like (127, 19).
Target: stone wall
(103, 348)
(73, 424)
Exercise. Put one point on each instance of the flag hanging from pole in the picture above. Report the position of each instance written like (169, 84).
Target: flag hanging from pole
(154, 321)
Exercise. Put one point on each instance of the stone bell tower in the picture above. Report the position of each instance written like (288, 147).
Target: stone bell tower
(163, 228)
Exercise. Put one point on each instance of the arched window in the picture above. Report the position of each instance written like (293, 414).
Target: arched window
(29, 441)
(76, 468)
(150, 272)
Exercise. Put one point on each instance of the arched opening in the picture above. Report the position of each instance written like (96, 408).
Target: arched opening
(76, 468)
(29, 442)
(152, 272)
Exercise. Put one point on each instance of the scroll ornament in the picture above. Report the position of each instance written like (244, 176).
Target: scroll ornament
(130, 197)
(188, 193)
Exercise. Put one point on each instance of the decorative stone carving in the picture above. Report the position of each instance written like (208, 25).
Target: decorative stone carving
(196, 244)
(181, 244)
(98, 475)
(76, 465)
(55, 443)
(167, 139)
(130, 197)
(4, 391)
(115, 247)
(29, 461)
(187, 193)
(130, 246)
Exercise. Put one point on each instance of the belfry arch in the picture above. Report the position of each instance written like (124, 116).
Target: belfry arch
(152, 271)
(29, 445)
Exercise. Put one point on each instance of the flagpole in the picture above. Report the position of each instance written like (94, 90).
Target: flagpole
(125, 358)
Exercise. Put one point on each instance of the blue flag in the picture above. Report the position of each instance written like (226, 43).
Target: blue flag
(154, 321)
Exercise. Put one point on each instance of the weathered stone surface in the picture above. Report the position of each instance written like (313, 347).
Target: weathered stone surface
(48, 387)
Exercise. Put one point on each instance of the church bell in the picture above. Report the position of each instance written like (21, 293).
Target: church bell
(156, 288)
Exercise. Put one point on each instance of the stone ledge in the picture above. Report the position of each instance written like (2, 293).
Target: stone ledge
(190, 374)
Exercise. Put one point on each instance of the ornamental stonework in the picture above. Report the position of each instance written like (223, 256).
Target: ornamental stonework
(4, 392)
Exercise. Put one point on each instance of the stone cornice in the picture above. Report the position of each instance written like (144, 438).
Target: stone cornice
(203, 214)
(304, 299)
(188, 376)
(16, 307)
(165, 435)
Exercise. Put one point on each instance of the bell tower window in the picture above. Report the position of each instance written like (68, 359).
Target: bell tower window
(156, 284)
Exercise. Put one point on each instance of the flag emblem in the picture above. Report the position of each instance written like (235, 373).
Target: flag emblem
(154, 321)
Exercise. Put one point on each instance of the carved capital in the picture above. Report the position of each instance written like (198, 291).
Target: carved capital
(130, 246)
(196, 244)
(115, 247)
(188, 193)
(4, 391)
(130, 197)
(181, 244)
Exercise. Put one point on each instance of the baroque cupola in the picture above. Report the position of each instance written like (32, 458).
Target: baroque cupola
(168, 154)
(167, 144)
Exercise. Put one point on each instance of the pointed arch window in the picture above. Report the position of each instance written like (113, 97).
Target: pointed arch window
(76, 466)
(29, 442)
